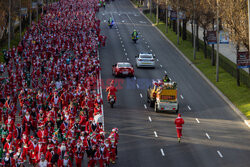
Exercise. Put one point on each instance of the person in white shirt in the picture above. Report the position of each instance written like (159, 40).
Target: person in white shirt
(43, 162)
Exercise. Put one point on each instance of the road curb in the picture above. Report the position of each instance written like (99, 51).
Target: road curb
(235, 109)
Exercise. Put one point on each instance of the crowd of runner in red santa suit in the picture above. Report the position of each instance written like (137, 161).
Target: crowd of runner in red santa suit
(49, 92)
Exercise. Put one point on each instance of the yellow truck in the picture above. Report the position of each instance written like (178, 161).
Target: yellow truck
(163, 96)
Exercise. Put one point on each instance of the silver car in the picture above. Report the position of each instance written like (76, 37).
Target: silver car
(145, 60)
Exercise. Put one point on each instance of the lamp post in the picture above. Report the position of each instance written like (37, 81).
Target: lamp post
(178, 22)
(218, 41)
(9, 24)
(194, 37)
(20, 20)
(249, 30)
(157, 11)
(166, 16)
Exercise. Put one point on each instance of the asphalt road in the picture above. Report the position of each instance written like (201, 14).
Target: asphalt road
(213, 135)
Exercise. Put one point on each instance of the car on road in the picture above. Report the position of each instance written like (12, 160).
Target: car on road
(123, 69)
(145, 60)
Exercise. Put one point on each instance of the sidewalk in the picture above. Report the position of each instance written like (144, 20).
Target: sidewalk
(227, 50)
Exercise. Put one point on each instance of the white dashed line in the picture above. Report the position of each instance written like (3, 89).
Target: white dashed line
(149, 118)
(155, 134)
(151, 50)
(134, 78)
(145, 106)
(165, 72)
(162, 152)
(121, 41)
(160, 65)
(126, 54)
(146, 42)
(122, 45)
(220, 154)
(181, 96)
(207, 136)
(123, 21)
(197, 120)
(137, 86)
(148, 46)
(170, 79)
(189, 107)
(157, 59)
(141, 95)
(124, 49)
(127, 59)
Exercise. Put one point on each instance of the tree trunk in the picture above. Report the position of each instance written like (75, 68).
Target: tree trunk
(180, 29)
(212, 55)
(184, 29)
(192, 32)
(205, 43)
(174, 26)
(237, 69)
(170, 24)
(197, 37)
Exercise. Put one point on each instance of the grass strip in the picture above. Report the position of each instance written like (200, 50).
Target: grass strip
(238, 95)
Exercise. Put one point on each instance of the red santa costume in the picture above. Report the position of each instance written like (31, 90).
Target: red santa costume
(178, 122)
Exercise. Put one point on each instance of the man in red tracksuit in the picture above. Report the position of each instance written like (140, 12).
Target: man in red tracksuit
(111, 90)
(178, 122)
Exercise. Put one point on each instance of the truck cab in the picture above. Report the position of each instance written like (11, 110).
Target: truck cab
(163, 96)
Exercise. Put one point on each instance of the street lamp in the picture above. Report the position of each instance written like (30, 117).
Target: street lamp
(9, 24)
(218, 41)
(178, 22)
(249, 29)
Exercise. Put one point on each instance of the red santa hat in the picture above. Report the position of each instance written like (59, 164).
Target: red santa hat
(9, 137)
(66, 154)
(18, 125)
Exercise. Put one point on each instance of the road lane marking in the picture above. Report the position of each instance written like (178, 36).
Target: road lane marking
(145, 106)
(150, 119)
(146, 42)
(220, 154)
(189, 107)
(170, 79)
(121, 41)
(124, 49)
(127, 59)
(207, 136)
(155, 134)
(165, 72)
(134, 78)
(162, 152)
(151, 50)
(126, 54)
(197, 120)
(141, 95)
(122, 45)
(157, 59)
(182, 97)
(160, 65)
(123, 21)
(137, 86)
(148, 46)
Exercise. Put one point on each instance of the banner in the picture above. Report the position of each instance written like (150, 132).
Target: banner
(224, 37)
(34, 5)
(211, 37)
(173, 15)
(24, 11)
(243, 60)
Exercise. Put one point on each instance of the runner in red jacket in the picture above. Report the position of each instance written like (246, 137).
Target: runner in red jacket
(178, 122)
